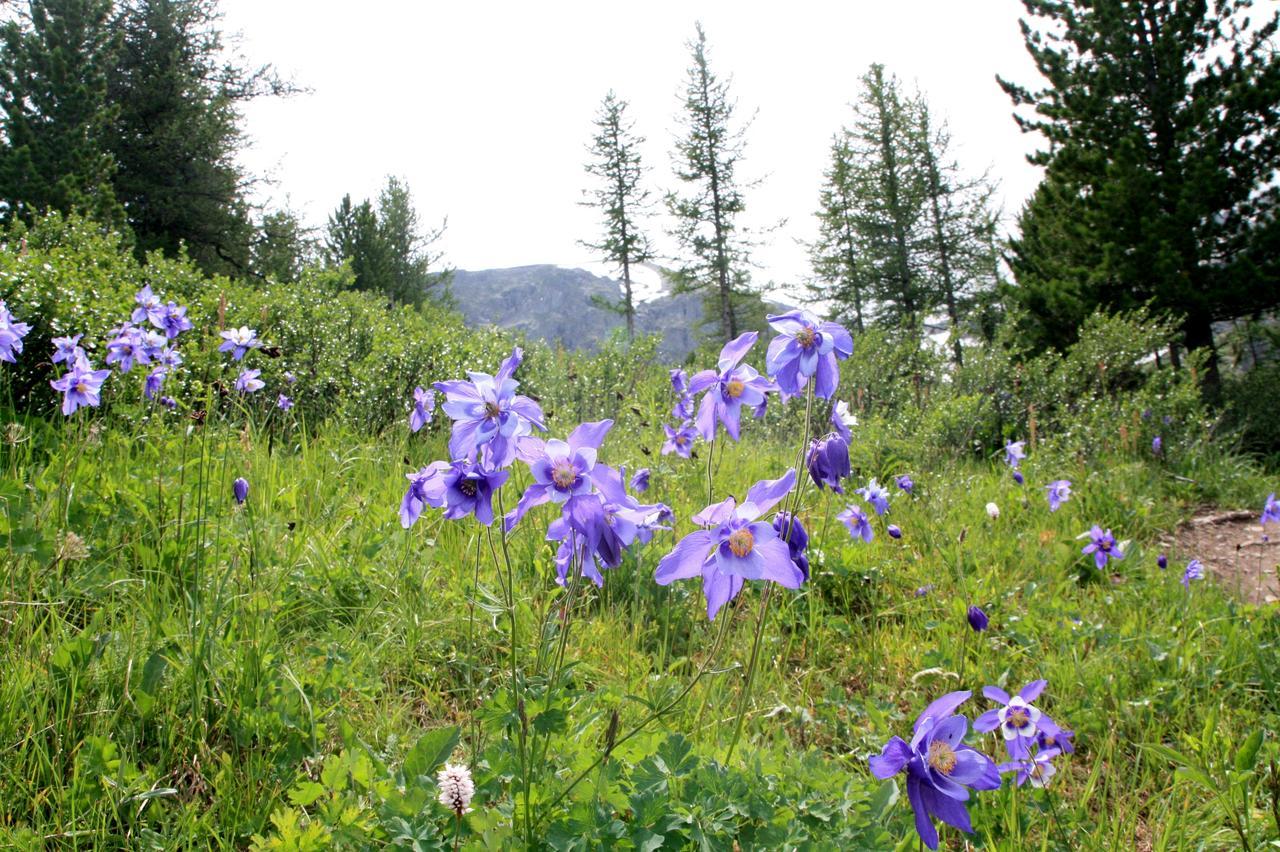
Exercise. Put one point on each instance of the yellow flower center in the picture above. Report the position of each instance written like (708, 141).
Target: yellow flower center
(563, 475)
(741, 542)
(734, 388)
(491, 409)
(81, 387)
(805, 337)
(1017, 717)
(942, 757)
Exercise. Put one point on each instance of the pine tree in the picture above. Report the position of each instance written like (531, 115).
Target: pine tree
(282, 247)
(841, 277)
(408, 250)
(890, 189)
(56, 115)
(1163, 128)
(959, 246)
(620, 197)
(705, 160)
(177, 132)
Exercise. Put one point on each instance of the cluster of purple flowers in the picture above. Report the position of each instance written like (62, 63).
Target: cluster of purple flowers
(941, 770)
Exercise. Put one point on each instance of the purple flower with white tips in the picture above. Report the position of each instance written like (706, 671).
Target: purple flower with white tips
(843, 420)
(640, 481)
(858, 523)
(283, 402)
(875, 494)
(424, 403)
(806, 348)
(1017, 718)
(248, 381)
(1103, 546)
(894, 531)
(129, 347)
(67, 349)
(679, 381)
(488, 413)
(905, 483)
(1058, 492)
(11, 334)
(1052, 736)
(1013, 453)
(81, 386)
(828, 462)
(238, 341)
(941, 769)
(736, 547)
(728, 388)
(148, 305)
(1157, 445)
(1195, 571)
(1037, 769)
(154, 382)
(426, 488)
(679, 441)
(171, 319)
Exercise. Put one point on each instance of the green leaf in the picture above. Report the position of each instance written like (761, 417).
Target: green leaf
(646, 841)
(884, 798)
(1247, 755)
(552, 721)
(1167, 753)
(432, 749)
(1196, 775)
(306, 793)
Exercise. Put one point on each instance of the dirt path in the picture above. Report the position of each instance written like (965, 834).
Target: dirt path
(1232, 549)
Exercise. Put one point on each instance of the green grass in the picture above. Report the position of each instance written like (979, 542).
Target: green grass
(198, 674)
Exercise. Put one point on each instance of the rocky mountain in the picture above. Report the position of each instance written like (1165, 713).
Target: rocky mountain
(558, 304)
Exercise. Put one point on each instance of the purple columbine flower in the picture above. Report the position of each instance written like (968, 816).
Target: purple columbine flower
(640, 481)
(793, 533)
(171, 319)
(828, 462)
(1058, 492)
(679, 441)
(940, 768)
(843, 420)
(67, 349)
(1052, 736)
(1156, 445)
(875, 494)
(127, 348)
(857, 522)
(737, 547)
(148, 305)
(894, 531)
(609, 521)
(283, 402)
(1013, 453)
(728, 388)
(424, 403)
(1195, 571)
(248, 381)
(679, 381)
(11, 334)
(561, 469)
(238, 341)
(904, 483)
(1037, 769)
(1018, 477)
(1102, 545)
(468, 490)
(290, 377)
(683, 409)
(240, 489)
(977, 618)
(426, 488)
(81, 386)
(154, 382)
(924, 590)
(1162, 562)
(1271, 510)
(488, 413)
(1016, 717)
(806, 348)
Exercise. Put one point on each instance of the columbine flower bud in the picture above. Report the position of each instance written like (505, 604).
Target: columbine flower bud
(894, 531)
(456, 788)
(1162, 561)
(978, 619)
(240, 489)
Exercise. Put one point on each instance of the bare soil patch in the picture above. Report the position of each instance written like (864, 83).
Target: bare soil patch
(1232, 548)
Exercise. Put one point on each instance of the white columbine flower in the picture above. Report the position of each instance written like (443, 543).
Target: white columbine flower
(456, 788)
(847, 417)
(993, 511)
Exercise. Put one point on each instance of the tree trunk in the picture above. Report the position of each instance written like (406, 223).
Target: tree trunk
(1197, 332)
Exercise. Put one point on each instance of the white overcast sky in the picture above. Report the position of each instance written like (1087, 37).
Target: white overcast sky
(486, 108)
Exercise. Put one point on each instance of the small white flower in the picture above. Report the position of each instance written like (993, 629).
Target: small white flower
(993, 511)
(456, 788)
(847, 417)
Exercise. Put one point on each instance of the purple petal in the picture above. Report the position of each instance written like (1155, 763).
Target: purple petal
(988, 721)
(766, 493)
(924, 825)
(892, 758)
(735, 349)
(701, 381)
(590, 434)
(995, 693)
(943, 707)
(1032, 691)
(685, 560)
(949, 810)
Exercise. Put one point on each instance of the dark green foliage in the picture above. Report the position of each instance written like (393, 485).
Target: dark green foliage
(705, 160)
(56, 118)
(387, 251)
(1163, 124)
(282, 248)
(836, 255)
(620, 197)
(177, 131)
